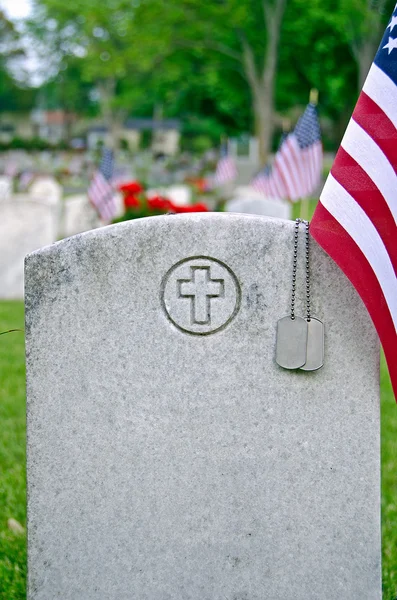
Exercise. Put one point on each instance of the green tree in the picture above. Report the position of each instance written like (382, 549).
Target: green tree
(90, 43)
(130, 40)
(12, 97)
(365, 23)
(237, 36)
(230, 61)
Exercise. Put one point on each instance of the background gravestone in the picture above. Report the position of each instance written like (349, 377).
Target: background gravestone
(169, 457)
(5, 188)
(25, 226)
(78, 215)
(46, 189)
(248, 201)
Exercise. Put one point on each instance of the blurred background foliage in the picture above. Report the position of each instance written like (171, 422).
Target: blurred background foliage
(227, 66)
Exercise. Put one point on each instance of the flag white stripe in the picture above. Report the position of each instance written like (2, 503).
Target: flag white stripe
(381, 89)
(287, 173)
(300, 161)
(291, 157)
(370, 157)
(101, 195)
(279, 185)
(282, 178)
(314, 153)
(357, 224)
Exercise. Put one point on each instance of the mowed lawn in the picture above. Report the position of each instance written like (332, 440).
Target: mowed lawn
(12, 464)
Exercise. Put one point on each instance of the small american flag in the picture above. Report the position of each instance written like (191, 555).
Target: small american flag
(101, 192)
(25, 179)
(355, 220)
(226, 169)
(268, 182)
(298, 163)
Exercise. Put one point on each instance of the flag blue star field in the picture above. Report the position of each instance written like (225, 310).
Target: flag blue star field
(101, 191)
(107, 164)
(356, 218)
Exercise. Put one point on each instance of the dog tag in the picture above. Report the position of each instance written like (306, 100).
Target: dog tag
(291, 342)
(315, 345)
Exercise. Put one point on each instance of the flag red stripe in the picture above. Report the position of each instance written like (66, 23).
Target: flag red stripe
(300, 168)
(331, 236)
(373, 120)
(281, 177)
(294, 158)
(101, 196)
(361, 187)
(288, 160)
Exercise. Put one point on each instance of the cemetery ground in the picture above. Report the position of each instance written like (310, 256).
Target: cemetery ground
(12, 463)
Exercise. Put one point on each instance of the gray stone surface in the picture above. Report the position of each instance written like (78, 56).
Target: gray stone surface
(174, 465)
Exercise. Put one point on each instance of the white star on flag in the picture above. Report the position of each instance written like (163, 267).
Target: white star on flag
(392, 23)
(391, 44)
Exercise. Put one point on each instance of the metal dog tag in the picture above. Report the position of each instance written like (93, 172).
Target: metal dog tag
(291, 342)
(315, 345)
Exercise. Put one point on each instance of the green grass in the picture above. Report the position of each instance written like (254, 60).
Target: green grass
(12, 463)
(389, 485)
(12, 452)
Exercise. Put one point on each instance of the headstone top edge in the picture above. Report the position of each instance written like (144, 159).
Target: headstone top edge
(151, 221)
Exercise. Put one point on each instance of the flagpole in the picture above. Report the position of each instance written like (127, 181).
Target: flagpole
(304, 208)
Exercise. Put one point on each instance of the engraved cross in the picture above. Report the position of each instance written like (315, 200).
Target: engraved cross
(201, 289)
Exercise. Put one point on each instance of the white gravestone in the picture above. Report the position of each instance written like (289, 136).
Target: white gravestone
(5, 188)
(46, 189)
(249, 201)
(181, 195)
(24, 227)
(169, 457)
(78, 215)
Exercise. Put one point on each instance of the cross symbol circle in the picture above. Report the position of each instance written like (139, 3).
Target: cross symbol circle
(200, 295)
(201, 289)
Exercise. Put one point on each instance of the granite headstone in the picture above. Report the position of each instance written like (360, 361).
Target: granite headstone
(169, 457)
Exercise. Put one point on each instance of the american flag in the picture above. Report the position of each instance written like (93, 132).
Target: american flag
(269, 182)
(226, 169)
(101, 192)
(355, 220)
(25, 180)
(298, 163)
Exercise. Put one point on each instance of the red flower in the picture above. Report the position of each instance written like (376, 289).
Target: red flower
(133, 187)
(200, 207)
(131, 201)
(159, 203)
